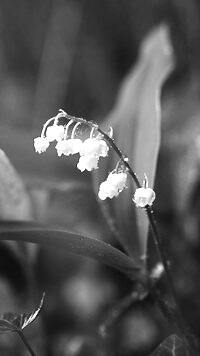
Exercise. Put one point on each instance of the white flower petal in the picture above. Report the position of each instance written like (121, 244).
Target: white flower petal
(114, 184)
(87, 162)
(68, 147)
(94, 147)
(41, 144)
(143, 197)
(55, 132)
(103, 148)
(118, 180)
(107, 191)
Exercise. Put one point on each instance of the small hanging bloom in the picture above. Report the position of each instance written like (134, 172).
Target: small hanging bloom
(106, 190)
(91, 150)
(87, 162)
(41, 144)
(144, 196)
(68, 147)
(118, 180)
(113, 185)
(94, 147)
(55, 132)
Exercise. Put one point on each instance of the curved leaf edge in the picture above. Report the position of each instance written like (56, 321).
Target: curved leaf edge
(74, 243)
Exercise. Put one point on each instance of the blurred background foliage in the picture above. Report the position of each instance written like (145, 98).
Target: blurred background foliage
(74, 54)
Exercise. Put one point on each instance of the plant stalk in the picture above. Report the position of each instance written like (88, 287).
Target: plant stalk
(21, 334)
(174, 313)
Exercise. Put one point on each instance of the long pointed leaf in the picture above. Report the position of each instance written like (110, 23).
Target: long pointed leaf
(74, 243)
(136, 123)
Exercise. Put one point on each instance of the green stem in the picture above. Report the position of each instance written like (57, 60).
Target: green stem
(122, 157)
(161, 251)
(174, 313)
(21, 334)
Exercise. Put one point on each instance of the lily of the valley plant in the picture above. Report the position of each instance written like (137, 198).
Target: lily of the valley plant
(70, 139)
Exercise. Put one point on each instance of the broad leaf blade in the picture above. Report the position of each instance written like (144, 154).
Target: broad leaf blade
(171, 346)
(136, 123)
(75, 243)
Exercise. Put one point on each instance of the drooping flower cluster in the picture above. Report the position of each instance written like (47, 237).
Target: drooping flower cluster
(90, 151)
(113, 185)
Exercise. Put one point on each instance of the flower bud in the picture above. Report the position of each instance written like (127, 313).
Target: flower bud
(41, 144)
(144, 196)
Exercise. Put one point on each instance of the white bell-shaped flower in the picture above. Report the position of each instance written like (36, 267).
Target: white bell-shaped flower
(41, 144)
(68, 147)
(106, 190)
(55, 132)
(87, 162)
(94, 147)
(113, 185)
(144, 196)
(118, 180)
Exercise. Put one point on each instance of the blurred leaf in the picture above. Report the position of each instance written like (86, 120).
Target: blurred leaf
(64, 22)
(74, 243)
(179, 173)
(17, 322)
(119, 309)
(171, 346)
(15, 203)
(14, 200)
(136, 122)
